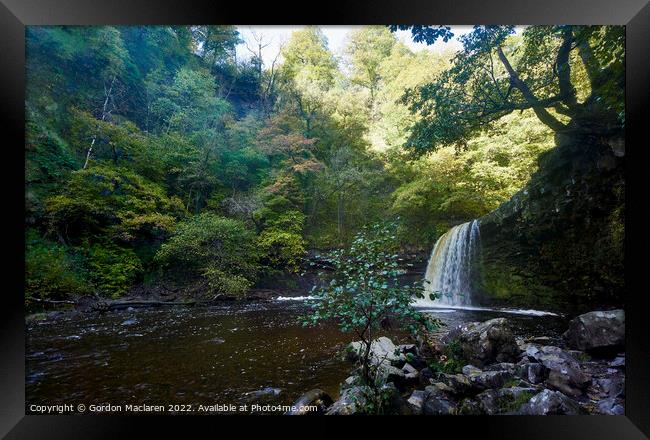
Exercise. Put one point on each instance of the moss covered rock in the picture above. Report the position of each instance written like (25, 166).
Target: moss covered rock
(559, 241)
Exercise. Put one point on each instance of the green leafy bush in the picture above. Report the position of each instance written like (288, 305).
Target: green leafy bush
(221, 250)
(451, 361)
(111, 200)
(50, 271)
(282, 244)
(365, 290)
(112, 269)
(223, 282)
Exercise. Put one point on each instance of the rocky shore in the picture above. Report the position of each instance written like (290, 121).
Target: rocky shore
(481, 368)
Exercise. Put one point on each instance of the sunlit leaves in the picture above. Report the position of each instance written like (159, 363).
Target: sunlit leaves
(221, 250)
(496, 74)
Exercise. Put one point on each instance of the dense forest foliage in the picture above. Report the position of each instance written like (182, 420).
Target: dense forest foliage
(154, 152)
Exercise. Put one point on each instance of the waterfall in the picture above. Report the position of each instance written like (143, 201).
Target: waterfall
(452, 268)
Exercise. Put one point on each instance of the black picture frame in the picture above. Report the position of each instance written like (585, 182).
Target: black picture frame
(16, 14)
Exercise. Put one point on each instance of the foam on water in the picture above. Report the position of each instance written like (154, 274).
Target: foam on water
(441, 308)
(294, 298)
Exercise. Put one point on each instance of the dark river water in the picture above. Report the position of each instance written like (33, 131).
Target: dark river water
(237, 353)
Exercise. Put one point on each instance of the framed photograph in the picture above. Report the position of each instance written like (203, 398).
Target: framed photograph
(379, 209)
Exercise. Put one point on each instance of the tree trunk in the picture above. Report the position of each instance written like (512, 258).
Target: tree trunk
(104, 114)
(366, 361)
(532, 100)
(339, 217)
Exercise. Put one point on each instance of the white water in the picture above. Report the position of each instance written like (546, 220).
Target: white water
(441, 308)
(451, 267)
(452, 271)
(294, 298)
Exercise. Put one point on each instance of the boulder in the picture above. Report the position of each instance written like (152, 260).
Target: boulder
(565, 373)
(411, 374)
(532, 372)
(416, 400)
(394, 403)
(550, 402)
(351, 381)
(353, 400)
(504, 400)
(402, 378)
(503, 366)
(387, 373)
(612, 387)
(438, 406)
(483, 343)
(458, 384)
(382, 351)
(318, 398)
(618, 361)
(497, 401)
(438, 400)
(439, 388)
(490, 379)
(471, 369)
(611, 406)
(600, 332)
(482, 380)
(408, 369)
(426, 375)
(567, 381)
(358, 399)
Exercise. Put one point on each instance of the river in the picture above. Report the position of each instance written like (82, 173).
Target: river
(235, 353)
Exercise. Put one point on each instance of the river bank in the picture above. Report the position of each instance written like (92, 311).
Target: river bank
(191, 291)
(482, 368)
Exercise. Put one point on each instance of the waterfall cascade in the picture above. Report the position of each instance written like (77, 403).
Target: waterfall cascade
(452, 267)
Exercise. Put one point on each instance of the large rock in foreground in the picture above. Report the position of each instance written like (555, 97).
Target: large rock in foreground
(497, 401)
(564, 374)
(353, 400)
(599, 332)
(483, 343)
(382, 351)
(551, 403)
(362, 400)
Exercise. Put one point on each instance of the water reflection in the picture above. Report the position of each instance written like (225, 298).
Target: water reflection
(231, 354)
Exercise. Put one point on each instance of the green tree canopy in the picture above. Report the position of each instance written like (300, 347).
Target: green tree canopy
(367, 49)
(490, 78)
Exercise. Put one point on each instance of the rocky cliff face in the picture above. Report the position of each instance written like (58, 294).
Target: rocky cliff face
(559, 242)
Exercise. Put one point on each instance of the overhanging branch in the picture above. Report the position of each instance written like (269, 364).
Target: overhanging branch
(539, 107)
